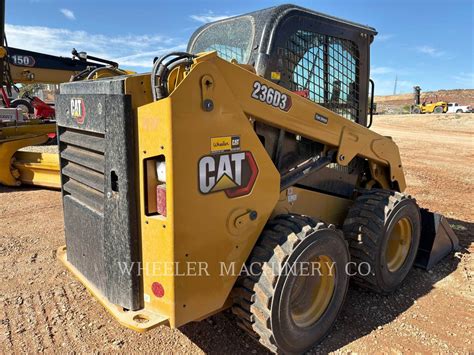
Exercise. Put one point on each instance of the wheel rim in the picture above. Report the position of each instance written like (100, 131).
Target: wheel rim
(23, 108)
(311, 294)
(398, 244)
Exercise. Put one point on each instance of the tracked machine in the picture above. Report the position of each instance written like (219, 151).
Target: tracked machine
(240, 174)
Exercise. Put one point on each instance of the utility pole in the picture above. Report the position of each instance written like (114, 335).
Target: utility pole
(395, 85)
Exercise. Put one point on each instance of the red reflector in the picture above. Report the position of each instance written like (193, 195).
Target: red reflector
(157, 289)
(161, 199)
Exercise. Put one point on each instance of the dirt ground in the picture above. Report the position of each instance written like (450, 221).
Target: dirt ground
(43, 308)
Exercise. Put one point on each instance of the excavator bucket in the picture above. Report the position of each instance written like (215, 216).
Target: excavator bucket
(437, 240)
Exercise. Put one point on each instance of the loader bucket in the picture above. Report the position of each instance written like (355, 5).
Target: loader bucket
(437, 240)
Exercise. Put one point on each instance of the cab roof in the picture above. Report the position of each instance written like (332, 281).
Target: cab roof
(266, 22)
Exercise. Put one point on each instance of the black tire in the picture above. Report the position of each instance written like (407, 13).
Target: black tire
(416, 110)
(24, 105)
(262, 302)
(368, 227)
(438, 109)
(459, 111)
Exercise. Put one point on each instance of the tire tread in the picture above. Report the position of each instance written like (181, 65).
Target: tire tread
(364, 230)
(279, 238)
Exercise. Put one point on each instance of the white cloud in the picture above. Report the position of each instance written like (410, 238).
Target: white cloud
(129, 50)
(68, 13)
(209, 17)
(381, 70)
(384, 78)
(434, 52)
(383, 37)
(385, 86)
(466, 80)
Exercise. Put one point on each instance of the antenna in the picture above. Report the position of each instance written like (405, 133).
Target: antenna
(395, 85)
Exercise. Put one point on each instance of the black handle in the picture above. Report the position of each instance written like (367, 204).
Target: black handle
(372, 90)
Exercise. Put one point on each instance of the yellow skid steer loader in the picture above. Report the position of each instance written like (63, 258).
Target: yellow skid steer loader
(240, 174)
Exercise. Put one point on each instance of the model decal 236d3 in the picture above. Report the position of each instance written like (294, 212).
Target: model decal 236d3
(271, 96)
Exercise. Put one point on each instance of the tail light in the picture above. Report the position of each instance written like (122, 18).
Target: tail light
(161, 199)
(161, 171)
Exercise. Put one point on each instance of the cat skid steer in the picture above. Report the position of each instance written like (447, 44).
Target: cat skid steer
(240, 174)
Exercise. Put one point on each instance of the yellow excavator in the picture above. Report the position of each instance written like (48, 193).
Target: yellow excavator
(240, 174)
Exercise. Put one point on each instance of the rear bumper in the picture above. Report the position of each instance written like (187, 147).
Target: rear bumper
(140, 320)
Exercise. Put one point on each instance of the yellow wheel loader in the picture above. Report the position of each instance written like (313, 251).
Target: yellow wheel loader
(240, 174)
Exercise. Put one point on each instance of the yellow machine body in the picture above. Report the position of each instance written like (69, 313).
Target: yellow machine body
(432, 107)
(56, 76)
(179, 129)
(38, 169)
(210, 228)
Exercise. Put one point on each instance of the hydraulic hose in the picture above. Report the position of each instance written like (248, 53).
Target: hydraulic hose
(160, 72)
(111, 69)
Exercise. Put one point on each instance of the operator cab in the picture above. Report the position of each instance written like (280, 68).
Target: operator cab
(318, 56)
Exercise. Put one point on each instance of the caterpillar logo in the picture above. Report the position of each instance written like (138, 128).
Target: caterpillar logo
(78, 110)
(233, 173)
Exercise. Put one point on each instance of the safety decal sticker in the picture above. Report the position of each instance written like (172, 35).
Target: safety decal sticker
(233, 173)
(225, 144)
(321, 118)
(271, 96)
(78, 110)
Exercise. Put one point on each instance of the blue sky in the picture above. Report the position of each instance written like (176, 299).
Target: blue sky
(423, 42)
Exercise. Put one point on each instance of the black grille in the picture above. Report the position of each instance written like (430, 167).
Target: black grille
(326, 69)
(83, 164)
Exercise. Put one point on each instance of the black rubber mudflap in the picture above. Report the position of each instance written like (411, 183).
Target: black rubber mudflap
(437, 240)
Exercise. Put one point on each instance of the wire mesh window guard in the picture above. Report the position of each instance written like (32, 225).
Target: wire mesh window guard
(327, 69)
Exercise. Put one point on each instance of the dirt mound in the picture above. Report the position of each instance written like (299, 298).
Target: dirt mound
(399, 103)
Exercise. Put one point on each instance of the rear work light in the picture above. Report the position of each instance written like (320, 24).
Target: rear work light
(161, 171)
(155, 172)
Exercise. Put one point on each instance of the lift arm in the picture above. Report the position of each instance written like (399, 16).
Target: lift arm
(267, 102)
